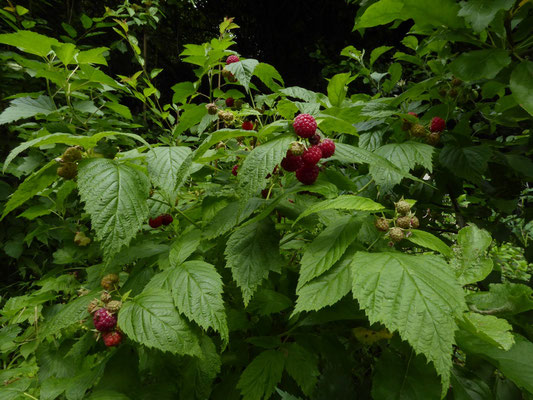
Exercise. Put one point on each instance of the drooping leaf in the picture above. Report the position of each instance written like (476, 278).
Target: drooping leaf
(338, 88)
(192, 115)
(163, 166)
(466, 162)
(69, 314)
(521, 84)
(502, 299)
(491, 329)
(343, 202)
(32, 185)
(327, 248)
(269, 75)
(184, 246)
(426, 239)
(478, 64)
(243, 71)
(115, 197)
(480, 13)
(514, 363)
(26, 107)
(401, 378)
(380, 13)
(302, 366)
(197, 291)
(261, 162)
(378, 52)
(261, 376)
(252, 252)
(467, 386)
(470, 259)
(152, 320)
(416, 295)
(30, 42)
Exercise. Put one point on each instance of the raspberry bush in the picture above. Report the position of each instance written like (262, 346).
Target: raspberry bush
(240, 237)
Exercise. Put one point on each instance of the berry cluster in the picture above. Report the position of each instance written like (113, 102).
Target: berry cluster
(69, 167)
(104, 312)
(405, 219)
(163, 219)
(303, 159)
(432, 137)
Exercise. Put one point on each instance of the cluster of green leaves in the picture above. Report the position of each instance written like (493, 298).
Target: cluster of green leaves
(262, 287)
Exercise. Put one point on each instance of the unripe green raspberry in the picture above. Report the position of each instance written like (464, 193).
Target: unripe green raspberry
(396, 234)
(381, 224)
(105, 297)
(403, 207)
(68, 171)
(418, 130)
(297, 148)
(433, 138)
(212, 108)
(93, 306)
(113, 306)
(71, 154)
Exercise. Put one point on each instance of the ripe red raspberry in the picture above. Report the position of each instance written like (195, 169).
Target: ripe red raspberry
(103, 320)
(304, 125)
(437, 124)
(232, 59)
(413, 114)
(312, 155)
(230, 102)
(235, 169)
(112, 338)
(328, 148)
(291, 162)
(307, 174)
(315, 139)
(166, 219)
(155, 222)
(248, 126)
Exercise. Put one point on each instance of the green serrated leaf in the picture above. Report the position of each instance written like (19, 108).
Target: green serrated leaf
(243, 71)
(152, 320)
(478, 64)
(502, 299)
(261, 376)
(343, 202)
(302, 366)
(26, 107)
(115, 196)
(30, 42)
(69, 314)
(163, 166)
(418, 296)
(471, 261)
(480, 13)
(269, 76)
(489, 328)
(252, 252)
(521, 84)
(426, 239)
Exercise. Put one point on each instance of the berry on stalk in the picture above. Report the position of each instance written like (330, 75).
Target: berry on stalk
(312, 155)
(230, 102)
(109, 281)
(113, 338)
(403, 207)
(155, 222)
(304, 125)
(235, 170)
(103, 320)
(437, 124)
(418, 130)
(396, 234)
(307, 174)
(382, 224)
(232, 59)
(166, 219)
(328, 148)
(248, 126)
(291, 162)
(315, 139)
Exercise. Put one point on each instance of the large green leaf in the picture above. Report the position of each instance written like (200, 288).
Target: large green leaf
(478, 64)
(467, 386)
(426, 239)
(30, 42)
(261, 376)
(252, 252)
(32, 185)
(405, 156)
(380, 13)
(466, 162)
(338, 88)
(261, 162)
(343, 202)
(192, 115)
(514, 363)
(401, 378)
(470, 259)
(197, 291)
(219, 136)
(243, 71)
(163, 167)
(302, 366)
(69, 314)
(480, 13)
(152, 320)
(328, 288)
(491, 329)
(327, 248)
(26, 107)
(268, 75)
(522, 85)
(115, 196)
(416, 295)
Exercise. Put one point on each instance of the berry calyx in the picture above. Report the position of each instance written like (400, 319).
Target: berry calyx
(396, 234)
(418, 130)
(307, 174)
(248, 126)
(155, 222)
(105, 297)
(166, 219)
(232, 59)
(235, 169)
(292, 163)
(312, 155)
(304, 125)
(103, 320)
(109, 281)
(113, 338)
(230, 102)
(382, 224)
(328, 148)
(437, 124)
(403, 207)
